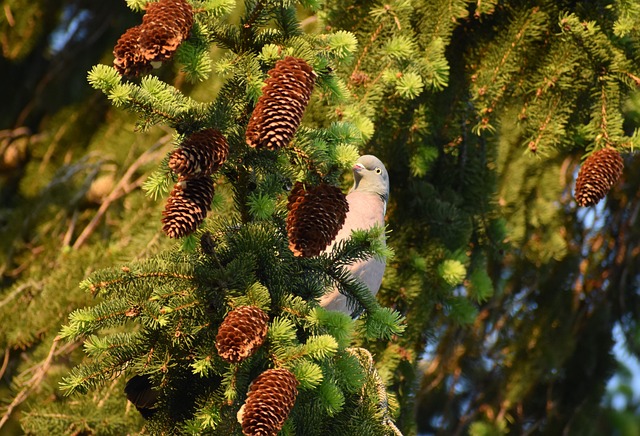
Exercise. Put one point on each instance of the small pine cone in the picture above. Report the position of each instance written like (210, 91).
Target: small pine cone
(315, 217)
(201, 154)
(597, 175)
(165, 25)
(187, 206)
(241, 333)
(269, 402)
(279, 110)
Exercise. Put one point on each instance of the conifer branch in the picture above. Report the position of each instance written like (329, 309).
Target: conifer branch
(517, 39)
(95, 287)
(366, 48)
(366, 360)
(534, 144)
(604, 131)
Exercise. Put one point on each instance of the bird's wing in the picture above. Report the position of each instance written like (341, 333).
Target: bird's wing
(365, 211)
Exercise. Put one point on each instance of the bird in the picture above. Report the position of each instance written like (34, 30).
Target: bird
(367, 201)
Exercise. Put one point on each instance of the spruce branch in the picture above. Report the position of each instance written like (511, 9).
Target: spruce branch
(492, 82)
(367, 362)
(374, 36)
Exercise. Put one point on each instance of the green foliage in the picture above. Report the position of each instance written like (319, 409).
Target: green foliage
(480, 428)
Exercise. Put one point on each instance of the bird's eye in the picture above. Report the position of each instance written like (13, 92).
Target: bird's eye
(378, 170)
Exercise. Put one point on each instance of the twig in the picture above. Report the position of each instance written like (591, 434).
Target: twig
(72, 226)
(5, 362)
(9, 15)
(15, 292)
(39, 372)
(122, 188)
(311, 19)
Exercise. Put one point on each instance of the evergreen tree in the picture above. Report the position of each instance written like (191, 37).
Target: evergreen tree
(510, 287)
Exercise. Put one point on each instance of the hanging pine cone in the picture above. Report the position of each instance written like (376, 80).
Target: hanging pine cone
(129, 59)
(269, 402)
(241, 333)
(201, 154)
(597, 175)
(187, 206)
(315, 217)
(176, 15)
(165, 25)
(279, 110)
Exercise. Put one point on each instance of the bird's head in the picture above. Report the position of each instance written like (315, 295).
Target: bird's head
(370, 175)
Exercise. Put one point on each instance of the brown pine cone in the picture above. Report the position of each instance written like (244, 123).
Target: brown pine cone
(165, 25)
(597, 175)
(174, 14)
(129, 59)
(269, 402)
(187, 206)
(315, 217)
(279, 110)
(241, 333)
(201, 154)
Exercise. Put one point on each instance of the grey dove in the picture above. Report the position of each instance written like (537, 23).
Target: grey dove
(367, 206)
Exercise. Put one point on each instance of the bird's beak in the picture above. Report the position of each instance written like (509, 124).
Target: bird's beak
(358, 167)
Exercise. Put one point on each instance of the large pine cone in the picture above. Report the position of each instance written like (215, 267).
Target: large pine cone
(597, 175)
(129, 58)
(187, 206)
(241, 333)
(165, 25)
(201, 154)
(279, 110)
(269, 402)
(315, 217)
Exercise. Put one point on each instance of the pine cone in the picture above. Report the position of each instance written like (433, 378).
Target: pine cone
(129, 60)
(187, 206)
(269, 402)
(279, 110)
(241, 333)
(201, 154)
(597, 175)
(174, 14)
(165, 25)
(315, 217)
